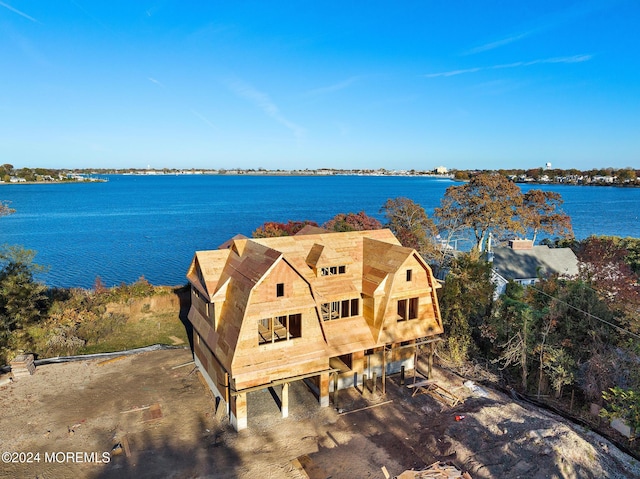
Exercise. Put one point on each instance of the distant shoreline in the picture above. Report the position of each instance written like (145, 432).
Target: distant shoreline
(299, 174)
(556, 177)
(65, 182)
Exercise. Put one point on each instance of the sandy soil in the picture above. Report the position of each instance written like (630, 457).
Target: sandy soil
(164, 422)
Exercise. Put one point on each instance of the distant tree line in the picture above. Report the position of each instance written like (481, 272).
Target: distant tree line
(627, 176)
(7, 171)
(596, 176)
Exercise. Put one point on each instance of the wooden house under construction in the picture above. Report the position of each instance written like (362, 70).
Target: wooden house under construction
(327, 308)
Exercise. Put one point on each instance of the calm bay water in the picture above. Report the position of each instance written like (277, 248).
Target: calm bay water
(150, 226)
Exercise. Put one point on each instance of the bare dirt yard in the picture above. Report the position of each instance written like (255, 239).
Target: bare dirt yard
(149, 415)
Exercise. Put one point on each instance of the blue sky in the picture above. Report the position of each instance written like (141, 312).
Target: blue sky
(301, 84)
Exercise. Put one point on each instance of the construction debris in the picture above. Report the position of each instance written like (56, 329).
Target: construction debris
(112, 360)
(154, 412)
(307, 468)
(476, 390)
(183, 365)
(22, 366)
(437, 470)
(5, 380)
(436, 391)
(175, 341)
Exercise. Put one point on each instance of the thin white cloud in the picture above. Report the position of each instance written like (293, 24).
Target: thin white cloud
(499, 43)
(22, 14)
(571, 59)
(264, 102)
(153, 80)
(547, 22)
(335, 87)
(203, 118)
(452, 73)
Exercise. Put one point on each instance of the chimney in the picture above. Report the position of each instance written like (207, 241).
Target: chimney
(520, 244)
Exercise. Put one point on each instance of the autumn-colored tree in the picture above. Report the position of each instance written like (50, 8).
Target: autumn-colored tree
(541, 211)
(488, 203)
(632, 247)
(271, 228)
(461, 176)
(352, 222)
(411, 225)
(626, 175)
(5, 171)
(99, 286)
(491, 204)
(535, 173)
(603, 264)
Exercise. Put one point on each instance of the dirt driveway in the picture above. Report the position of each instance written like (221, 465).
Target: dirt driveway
(67, 418)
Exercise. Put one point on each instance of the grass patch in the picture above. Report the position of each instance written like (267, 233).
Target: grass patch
(153, 329)
(79, 321)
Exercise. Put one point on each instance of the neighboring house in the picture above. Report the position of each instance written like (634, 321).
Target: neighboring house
(322, 307)
(525, 264)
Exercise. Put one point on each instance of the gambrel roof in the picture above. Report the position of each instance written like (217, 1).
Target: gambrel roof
(369, 256)
(322, 270)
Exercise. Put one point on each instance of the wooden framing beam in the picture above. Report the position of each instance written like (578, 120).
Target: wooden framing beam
(278, 382)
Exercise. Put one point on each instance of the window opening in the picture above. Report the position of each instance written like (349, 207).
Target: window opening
(280, 328)
(332, 270)
(402, 310)
(408, 309)
(340, 309)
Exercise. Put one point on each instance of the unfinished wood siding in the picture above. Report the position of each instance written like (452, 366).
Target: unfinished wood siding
(212, 367)
(200, 303)
(419, 288)
(255, 363)
(296, 289)
(401, 353)
(275, 370)
(420, 281)
(348, 335)
(231, 315)
(358, 361)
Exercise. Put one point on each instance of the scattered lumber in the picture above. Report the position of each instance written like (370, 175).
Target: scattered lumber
(22, 366)
(112, 360)
(437, 470)
(307, 468)
(436, 391)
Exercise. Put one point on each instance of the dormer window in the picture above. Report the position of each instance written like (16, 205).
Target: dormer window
(332, 270)
(340, 309)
